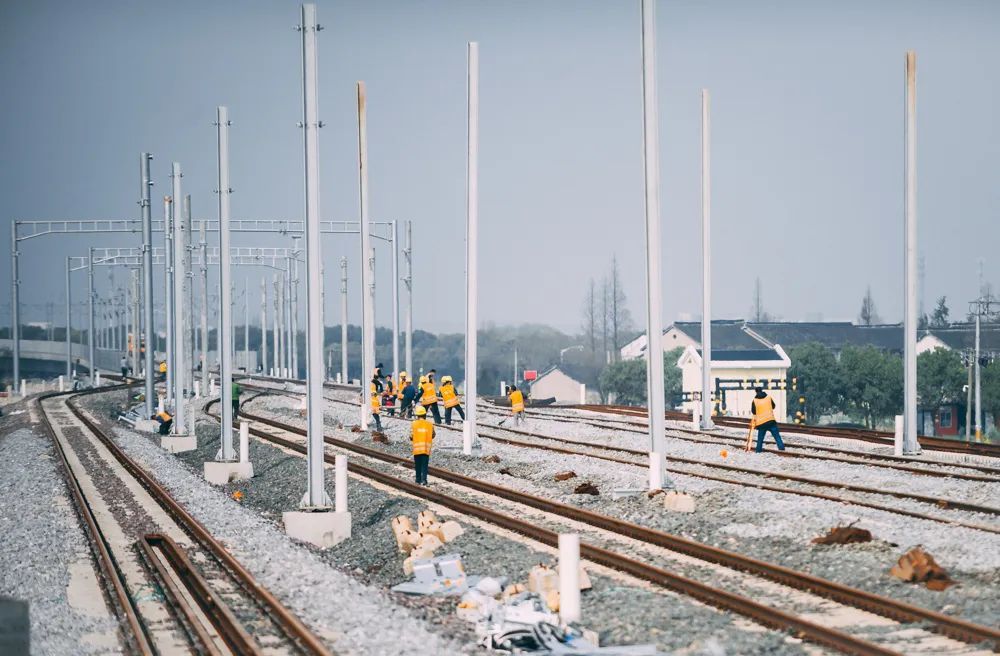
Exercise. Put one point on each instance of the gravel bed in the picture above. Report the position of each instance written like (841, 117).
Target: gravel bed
(354, 618)
(768, 525)
(371, 559)
(40, 557)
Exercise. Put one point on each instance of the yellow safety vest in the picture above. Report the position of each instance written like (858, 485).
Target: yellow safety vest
(430, 394)
(449, 396)
(399, 390)
(517, 401)
(163, 416)
(163, 367)
(423, 435)
(763, 412)
(376, 405)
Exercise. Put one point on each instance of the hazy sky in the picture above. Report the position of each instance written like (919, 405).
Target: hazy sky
(807, 141)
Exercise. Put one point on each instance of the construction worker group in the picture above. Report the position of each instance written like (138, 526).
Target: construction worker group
(417, 402)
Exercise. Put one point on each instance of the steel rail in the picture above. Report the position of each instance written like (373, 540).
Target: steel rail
(293, 628)
(760, 613)
(899, 611)
(114, 580)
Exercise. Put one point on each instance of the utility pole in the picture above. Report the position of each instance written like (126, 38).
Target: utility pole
(367, 280)
(706, 265)
(395, 302)
(323, 529)
(275, 333)
(69, 325)
(263, 326)
(294, 301)
(204, 310)
(408, 256)
(147, 280)
(343, 321)
(910, 444)
(654, 270)
(225, 337)
(168, 294)
(188, 290)
(180, 423)
(136, 273)
(469, 433)
(15, 310)
(282, 348)
(90, 303)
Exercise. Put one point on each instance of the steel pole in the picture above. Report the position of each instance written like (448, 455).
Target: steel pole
(469, 434)
(246, 324)
(979, 407)
(149, 337)
(136, 321)
(263, 326)
(367, 282)
(204, 309)
(15, 305)
(294, 303)
(706, 265)
(654, 271)
(188, 291)
(910, 444)
(276, 332)
(69, 323)
(343, 321)
(90, 305)
(225, 337)
(168, 293)
(395, 302)
(315, 494)
(408, 256)
(180, 415)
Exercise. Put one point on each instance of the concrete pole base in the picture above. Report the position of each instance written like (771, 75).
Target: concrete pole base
(179, 443)
(321, 528)
(220, 473)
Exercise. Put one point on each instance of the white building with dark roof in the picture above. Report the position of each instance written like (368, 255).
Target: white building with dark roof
(746, 368)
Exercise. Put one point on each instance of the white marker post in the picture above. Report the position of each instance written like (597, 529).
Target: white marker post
(469, 434)
(569, 577)
(654, 271)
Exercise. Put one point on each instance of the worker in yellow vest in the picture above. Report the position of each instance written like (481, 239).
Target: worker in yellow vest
(449, 397)
(422, 435)
(429, 398)
(389, 396)
(516, 403)
(165, 420)
(376, 405)
(762, 408)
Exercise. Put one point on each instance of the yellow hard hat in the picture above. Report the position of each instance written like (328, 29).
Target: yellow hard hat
(420, 411)
(402, 375)
(446, 379)
(423, 379)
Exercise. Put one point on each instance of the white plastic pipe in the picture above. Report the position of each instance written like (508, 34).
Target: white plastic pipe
(24, 385)
(62, 384)
(197, 389)
(569, 577)
(898, 443)
(340, 483)
(97, 380)
(244, 442)
(159, 403)
(696, 415)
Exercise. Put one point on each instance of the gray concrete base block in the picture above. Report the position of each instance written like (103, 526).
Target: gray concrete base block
(147, 425)
(15, 627)
(321, 528)
(179, 443)
(220, 473)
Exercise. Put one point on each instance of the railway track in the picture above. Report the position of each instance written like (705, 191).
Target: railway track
(642, 462)
(876, 604)
(214, 607)
(875, 436)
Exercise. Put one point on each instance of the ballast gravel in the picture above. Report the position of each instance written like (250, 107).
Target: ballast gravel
(45, 557)
(773, 526)
(363, 567)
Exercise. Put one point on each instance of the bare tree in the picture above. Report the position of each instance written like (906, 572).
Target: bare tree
(757, 313)
(590, 317)
(605, 324)
(868, 315)
(620, 319)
